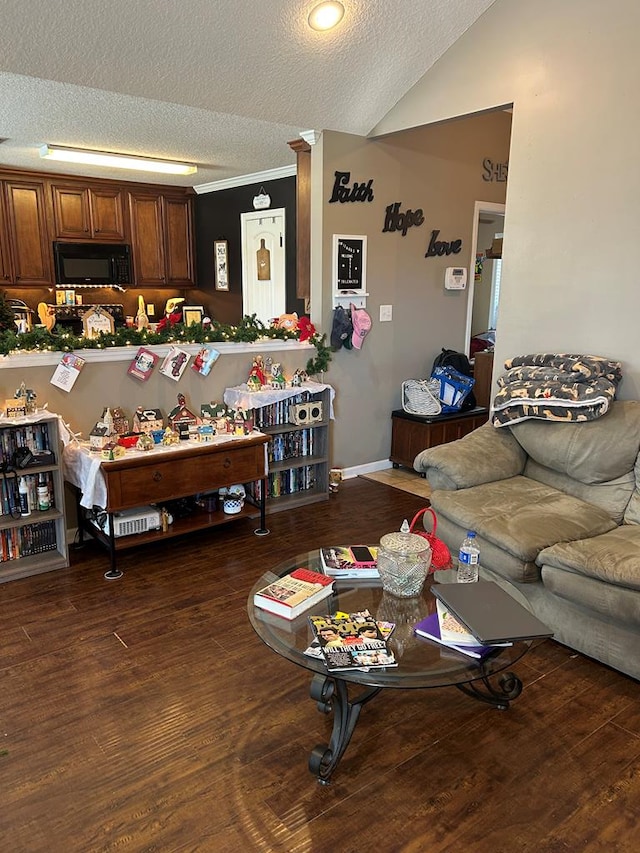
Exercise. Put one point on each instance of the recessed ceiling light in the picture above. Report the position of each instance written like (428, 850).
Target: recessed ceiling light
(117, 161)
(326, 15)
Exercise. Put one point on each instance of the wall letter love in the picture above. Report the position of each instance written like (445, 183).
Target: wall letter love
(441, 247)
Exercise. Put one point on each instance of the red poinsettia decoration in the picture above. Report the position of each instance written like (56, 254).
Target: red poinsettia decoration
(306, 328)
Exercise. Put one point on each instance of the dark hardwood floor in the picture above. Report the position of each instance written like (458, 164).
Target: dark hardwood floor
(145, 715)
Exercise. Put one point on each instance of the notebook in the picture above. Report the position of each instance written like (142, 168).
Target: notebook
(490, 613)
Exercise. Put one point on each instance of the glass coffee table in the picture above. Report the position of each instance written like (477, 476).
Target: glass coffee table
(421, 663)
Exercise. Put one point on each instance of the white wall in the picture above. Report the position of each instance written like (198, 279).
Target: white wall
(571, 68)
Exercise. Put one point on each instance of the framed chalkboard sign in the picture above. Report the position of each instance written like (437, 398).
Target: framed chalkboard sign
(349, 264)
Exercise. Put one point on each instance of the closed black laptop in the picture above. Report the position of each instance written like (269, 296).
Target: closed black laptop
(490, 613)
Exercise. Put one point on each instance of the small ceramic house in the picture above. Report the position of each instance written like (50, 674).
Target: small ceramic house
(112, 450)
(206, 433)
(99, 436)
(120, 421)
(182, 415)
(146, 420)
(210, 412)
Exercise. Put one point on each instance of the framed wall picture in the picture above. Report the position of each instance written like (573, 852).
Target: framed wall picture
(192, 315)
(221, 264)
(349, 264)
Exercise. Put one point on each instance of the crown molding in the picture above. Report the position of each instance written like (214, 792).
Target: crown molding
(245, 180)
(311, 136)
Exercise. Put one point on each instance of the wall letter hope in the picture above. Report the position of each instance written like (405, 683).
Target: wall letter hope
(394, 220)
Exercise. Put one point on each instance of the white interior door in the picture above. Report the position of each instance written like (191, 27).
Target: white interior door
(263, 264)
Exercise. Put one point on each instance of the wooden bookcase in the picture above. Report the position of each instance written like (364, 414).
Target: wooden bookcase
(298, 454)
(37, 542)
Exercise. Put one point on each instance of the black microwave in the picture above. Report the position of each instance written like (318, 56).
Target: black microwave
(92, 263)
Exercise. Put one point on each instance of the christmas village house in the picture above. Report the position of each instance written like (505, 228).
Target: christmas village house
(147, 420)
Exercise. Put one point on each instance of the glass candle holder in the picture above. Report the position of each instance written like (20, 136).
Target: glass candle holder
(404, 560)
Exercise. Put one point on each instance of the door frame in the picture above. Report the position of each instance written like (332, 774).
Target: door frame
(479, 208)
(262, 214)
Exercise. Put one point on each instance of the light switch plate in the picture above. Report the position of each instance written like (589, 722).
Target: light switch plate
(151, 310)
(386, 313)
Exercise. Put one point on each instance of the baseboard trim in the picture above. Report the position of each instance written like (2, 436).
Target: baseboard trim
(367, 468)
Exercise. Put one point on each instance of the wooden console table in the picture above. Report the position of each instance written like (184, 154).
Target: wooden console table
(411, 434)
(165, 473)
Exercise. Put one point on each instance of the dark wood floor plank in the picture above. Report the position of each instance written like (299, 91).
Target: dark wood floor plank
(145, 715)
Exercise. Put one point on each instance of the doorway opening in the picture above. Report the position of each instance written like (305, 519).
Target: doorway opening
(483, 291)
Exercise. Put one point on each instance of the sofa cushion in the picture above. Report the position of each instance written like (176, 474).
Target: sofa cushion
(613, 496)
(592, 451)
(613, 557)
(481, 456)
(522, 517)
(632, 511)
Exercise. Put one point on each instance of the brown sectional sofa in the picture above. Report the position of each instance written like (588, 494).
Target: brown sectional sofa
(556, 510)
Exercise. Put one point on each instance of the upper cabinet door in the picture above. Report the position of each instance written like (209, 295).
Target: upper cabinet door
(179, 241)
(162, 239)
(107, 218)
(27, 233)
(147, 239)
(71, 212)
(88, 213)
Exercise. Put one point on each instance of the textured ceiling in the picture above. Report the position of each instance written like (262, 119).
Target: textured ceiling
(222, 83)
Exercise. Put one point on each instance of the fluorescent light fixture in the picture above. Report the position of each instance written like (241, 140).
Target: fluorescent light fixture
(116, 161)
(324, 16)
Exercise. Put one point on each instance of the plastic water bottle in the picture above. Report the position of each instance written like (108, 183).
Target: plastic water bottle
(468, 559)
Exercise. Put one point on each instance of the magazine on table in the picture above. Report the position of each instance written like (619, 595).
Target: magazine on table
(356, 561)
(352, 641)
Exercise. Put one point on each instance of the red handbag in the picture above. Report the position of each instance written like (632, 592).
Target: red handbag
(440, 554)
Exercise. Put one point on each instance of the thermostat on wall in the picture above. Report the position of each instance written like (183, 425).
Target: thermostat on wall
(455, 278)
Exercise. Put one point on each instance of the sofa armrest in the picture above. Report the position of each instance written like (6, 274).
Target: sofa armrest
(483, 456)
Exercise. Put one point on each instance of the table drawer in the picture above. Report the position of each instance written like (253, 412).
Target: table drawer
(179, 477)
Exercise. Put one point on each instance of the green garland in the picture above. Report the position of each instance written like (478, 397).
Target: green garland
(249, 330)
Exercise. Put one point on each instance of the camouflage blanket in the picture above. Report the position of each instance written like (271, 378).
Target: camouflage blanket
(555, 387)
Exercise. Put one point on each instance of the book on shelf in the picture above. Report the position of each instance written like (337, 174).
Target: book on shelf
(430, 628)
(294, 593)
(339, 562)
(352, 641)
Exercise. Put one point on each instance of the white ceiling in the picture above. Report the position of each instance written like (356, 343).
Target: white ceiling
(221, 83)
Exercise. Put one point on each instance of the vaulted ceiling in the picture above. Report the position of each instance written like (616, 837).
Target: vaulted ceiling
(224, 84)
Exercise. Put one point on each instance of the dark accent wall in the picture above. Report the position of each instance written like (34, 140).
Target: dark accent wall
(217, 217)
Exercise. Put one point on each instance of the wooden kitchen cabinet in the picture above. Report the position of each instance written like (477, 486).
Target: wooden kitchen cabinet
(24, 244)
(88, 213)
(162, 239)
